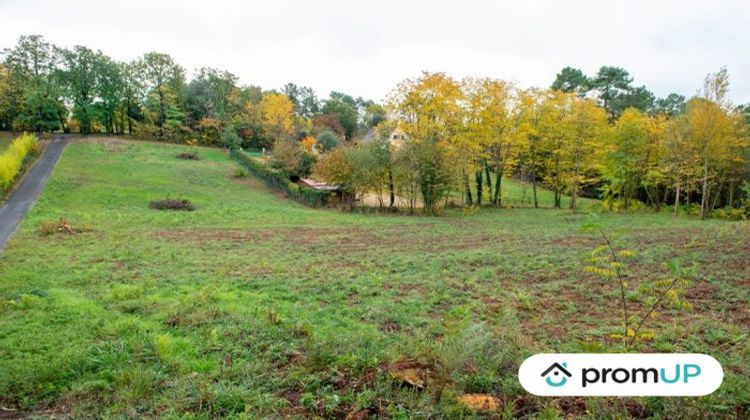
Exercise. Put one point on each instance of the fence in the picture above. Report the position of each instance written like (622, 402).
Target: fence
(280, 182)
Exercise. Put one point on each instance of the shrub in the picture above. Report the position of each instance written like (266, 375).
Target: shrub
(280, 181)
(730, 213)
(230, 139)
(188, 156)
(291, 158)
(12, 159)
(172, 204)
(328, 140)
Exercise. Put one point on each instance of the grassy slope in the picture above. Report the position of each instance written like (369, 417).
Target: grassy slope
(256, 304)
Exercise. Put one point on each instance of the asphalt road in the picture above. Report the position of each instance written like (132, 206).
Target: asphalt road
(25, 194)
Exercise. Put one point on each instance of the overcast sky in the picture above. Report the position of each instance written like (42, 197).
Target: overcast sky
(365, 47)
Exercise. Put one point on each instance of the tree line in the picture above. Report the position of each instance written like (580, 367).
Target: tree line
(47, 88)
(436, 139)
(595, 137)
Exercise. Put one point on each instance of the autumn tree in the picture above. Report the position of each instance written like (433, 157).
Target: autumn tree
(572, 130)
(277, 113)
(680, 162)
(430, 113)
(634, 156)
(529, 115)
(553, 131)
(588, 126)
(491, 131)
(713, 132)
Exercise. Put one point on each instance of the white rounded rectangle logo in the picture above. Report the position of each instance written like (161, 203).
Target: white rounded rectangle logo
(620, 374)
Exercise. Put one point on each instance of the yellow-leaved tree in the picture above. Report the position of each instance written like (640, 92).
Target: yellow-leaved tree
(588, 130)
(277, 113)
(713, 135)
(634, 157)
(429, 111)
(529, 114)
(573, 130)
(491, 128)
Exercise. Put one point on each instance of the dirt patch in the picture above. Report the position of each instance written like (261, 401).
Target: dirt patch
(572, 406)
(701, 291)
(188, 156)
(390, 327)
(175, 204)
(111, 144)
(409, 373)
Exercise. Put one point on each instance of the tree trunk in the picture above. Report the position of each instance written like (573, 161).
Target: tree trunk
(716, 197)
(731, 194)
(489, 180)
(704, 198)
(533, 184)
(498, 187)
(479, 187)
(558, 191)
(627, 193)
(162, 113)
(391, 188)
(677, 199)
(469, 199)
(573, 195)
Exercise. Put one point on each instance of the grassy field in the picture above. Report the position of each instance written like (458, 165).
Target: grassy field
(253, 305)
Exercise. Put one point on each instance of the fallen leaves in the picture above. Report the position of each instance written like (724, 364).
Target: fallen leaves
(484, 402)
(410, 373)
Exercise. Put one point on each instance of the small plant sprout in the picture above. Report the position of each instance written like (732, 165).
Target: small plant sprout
(610, 263)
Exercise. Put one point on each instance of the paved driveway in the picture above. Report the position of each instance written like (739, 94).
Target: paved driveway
(25, 194)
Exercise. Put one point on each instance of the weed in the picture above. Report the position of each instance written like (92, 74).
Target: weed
(62, 225)
(172, 204)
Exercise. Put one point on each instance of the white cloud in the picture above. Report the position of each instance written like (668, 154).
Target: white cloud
(365, 47)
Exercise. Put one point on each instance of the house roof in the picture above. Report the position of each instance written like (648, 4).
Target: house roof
(319, 185)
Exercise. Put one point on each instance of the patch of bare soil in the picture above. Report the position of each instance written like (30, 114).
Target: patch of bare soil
(380, 200)
(112, 144)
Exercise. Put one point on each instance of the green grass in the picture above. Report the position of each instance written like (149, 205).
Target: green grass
(253, 305)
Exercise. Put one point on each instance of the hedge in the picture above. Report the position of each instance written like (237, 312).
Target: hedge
(12, 159)
(281, 182)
